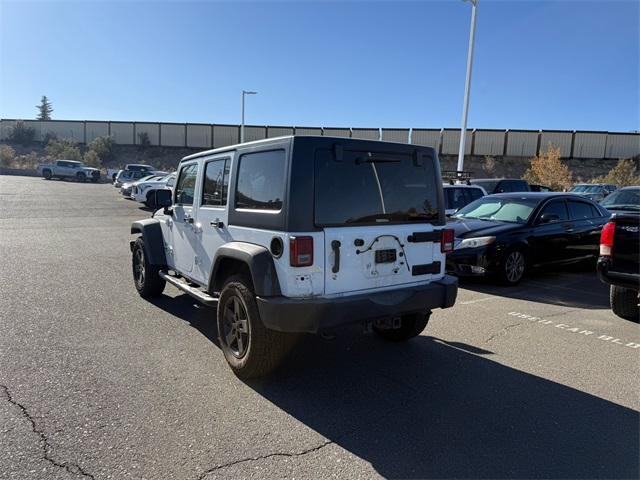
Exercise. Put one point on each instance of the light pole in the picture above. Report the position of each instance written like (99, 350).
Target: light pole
(467, 86)
(244, 92)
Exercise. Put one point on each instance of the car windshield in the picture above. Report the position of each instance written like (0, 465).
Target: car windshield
(623, 198)
(374, 187)
(510, 210)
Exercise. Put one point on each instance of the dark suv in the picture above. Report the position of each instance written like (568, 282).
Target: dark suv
(502, 185)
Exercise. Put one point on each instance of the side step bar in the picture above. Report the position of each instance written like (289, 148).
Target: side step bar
(196, 293)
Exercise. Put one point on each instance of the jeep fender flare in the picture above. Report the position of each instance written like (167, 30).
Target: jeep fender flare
(257, 259)
(151, 232)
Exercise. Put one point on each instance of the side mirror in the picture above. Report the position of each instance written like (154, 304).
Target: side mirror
(549, 217)
(162, 199)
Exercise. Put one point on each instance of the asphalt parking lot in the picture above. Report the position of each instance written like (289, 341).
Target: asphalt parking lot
(537, 381)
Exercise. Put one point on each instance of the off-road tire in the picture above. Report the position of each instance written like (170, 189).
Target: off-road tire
(624, 303)
(507, 275)
(411, 325)
(81, 177)
(149, 284)
(47, 174)
(262, 349)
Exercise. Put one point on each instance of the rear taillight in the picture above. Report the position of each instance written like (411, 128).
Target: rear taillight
(607, 239)
(446, 241)
(301, 251)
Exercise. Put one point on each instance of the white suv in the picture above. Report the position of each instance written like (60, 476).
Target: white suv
(301, 234)
(143, 191)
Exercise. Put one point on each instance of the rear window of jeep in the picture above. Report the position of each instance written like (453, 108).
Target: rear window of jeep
(365, 188)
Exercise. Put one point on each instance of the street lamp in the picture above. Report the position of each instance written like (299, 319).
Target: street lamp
(467, 86)
(244, 92)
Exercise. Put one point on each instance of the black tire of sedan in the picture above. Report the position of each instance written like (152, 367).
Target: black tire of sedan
(250, 349)
(624, 303)
(410, 326)
(513, 267)
(47, 174)
(81, 177)
(146, 277)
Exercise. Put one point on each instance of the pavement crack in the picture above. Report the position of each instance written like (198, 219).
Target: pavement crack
(501, 332)
(264, 457)
(70, 467)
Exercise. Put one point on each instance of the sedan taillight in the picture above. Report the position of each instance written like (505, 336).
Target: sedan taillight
(607, 239)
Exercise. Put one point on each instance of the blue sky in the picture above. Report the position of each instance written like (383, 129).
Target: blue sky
(538, 64)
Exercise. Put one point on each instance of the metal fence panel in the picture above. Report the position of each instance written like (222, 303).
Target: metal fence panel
(562, 140)
(451, 141)
(122, 132)
(488, 142)
(224, 135)
(622, 145)
(522, 143)
(96, 129)
(428, 137)
(399, 135)
(199, 136)
(172, 134)
(253, 132)
(279, 131)
(62, 129)
(307, 131)
(336, 132)
(589, 144)
(151, 129)
(366, 133)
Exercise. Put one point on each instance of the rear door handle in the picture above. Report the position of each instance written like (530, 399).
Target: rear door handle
(188, 220)
(217, 223)
(335, 246)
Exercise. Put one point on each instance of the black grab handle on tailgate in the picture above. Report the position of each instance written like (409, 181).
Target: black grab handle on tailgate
(335, 246)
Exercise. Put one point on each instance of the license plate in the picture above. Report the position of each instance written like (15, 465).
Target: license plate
(385, 256)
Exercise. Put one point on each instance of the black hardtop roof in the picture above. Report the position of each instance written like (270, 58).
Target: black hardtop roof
(320, 140)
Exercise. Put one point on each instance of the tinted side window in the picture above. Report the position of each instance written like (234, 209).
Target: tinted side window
(580, 210)
(474, 194)
(456, 198)
(261, 180)
(557, 207)
(186, 184)
(216, 183)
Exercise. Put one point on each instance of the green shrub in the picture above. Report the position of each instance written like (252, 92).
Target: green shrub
(63, 149)
(27, 162)
(21, 134)
(103, 147)
(7, 156)
(143, 139)
(92, 159)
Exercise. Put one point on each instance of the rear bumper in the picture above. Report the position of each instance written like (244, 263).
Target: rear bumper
(620, 279)
(312, 315)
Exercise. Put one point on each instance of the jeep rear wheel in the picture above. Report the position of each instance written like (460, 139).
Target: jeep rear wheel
(624, 303)
(250, 349)
(146, 276)
(411, 326)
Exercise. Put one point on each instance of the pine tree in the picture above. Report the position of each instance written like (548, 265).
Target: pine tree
(45, 108)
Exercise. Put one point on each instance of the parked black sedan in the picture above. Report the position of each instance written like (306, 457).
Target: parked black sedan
(504, 235)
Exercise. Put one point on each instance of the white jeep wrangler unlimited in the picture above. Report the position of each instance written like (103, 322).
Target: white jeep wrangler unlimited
(301, 234)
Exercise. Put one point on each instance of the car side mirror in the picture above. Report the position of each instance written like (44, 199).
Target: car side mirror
(162, 199)
(549, 217)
